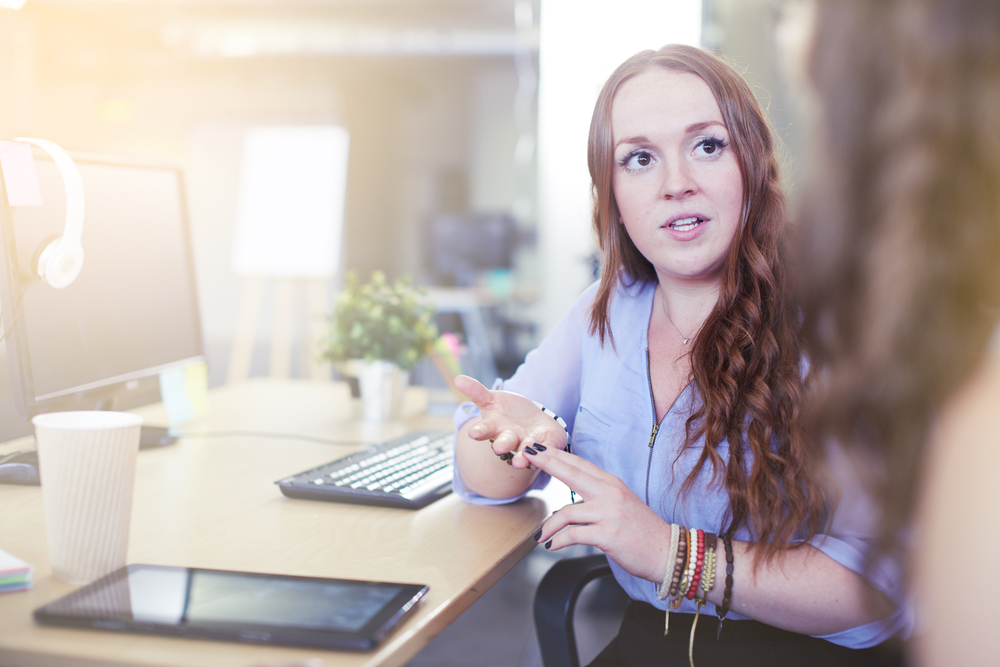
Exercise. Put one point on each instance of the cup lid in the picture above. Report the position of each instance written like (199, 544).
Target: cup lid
(86, 419)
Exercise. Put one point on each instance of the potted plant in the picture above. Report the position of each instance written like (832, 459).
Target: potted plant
(382, 329)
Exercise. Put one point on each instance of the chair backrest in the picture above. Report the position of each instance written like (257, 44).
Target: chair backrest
(555, 601)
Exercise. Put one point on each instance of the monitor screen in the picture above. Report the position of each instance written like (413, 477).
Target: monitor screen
(460, 247)
(130, 314)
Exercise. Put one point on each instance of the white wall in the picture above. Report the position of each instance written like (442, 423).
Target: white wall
(582, 42)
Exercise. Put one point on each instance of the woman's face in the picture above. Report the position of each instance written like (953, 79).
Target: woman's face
(676, 179)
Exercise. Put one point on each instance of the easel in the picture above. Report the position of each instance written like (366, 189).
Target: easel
(292, 190)
(286, 292)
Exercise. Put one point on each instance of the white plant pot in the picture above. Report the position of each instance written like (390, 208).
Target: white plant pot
(383, 385)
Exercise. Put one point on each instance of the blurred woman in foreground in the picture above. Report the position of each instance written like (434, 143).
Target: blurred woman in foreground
(902, 229)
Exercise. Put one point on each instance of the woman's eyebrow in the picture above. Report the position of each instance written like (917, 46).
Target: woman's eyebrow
(698, 127)
(632, 140)
(694, 128)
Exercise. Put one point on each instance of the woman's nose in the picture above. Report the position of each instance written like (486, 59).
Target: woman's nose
(677, 180)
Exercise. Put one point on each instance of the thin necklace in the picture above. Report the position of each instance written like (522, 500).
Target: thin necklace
(671, 320)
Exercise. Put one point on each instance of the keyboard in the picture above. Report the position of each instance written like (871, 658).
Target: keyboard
(410, 472)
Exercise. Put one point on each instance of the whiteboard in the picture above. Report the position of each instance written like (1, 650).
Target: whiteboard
(290, 213)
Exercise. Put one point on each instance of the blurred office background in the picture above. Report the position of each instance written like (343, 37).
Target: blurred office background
(467, 121)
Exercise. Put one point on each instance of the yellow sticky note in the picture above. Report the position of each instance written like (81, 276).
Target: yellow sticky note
(184, 392)
(196, 381)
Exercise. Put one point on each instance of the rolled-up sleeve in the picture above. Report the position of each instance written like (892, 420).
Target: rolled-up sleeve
(849, 541)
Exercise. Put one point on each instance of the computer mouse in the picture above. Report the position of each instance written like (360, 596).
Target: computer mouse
(20, 468)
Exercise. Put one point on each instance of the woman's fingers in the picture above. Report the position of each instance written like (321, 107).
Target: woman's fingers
(577, 513)
(583, 477)
(474, 389)
(575, 534)
(522, 460)
(504, 442)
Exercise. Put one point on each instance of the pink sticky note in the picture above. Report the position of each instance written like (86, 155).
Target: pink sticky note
(19, 177)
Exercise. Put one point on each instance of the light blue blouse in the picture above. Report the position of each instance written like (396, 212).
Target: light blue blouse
(603, 393)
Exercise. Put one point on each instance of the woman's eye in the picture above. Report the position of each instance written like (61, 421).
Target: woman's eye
(711, 147)
(637, 160)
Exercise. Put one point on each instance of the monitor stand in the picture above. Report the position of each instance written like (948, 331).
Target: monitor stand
(153, 437)
(21, 467)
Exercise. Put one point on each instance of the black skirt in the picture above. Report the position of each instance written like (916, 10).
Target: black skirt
(641, 642)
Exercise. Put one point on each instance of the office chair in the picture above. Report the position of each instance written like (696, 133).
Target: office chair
(555, 601)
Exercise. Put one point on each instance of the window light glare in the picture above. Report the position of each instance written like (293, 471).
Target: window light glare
(11, 4)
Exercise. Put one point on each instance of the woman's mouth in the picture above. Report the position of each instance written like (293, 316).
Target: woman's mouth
(685, 224)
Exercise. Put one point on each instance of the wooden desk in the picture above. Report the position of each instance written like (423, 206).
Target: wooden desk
(211, 502)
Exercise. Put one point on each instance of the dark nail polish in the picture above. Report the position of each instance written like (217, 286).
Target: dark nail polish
(528, 450)
(548, 545)
(539, 447)
(537, 535)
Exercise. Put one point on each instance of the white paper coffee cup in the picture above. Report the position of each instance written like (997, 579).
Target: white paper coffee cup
(87, 467)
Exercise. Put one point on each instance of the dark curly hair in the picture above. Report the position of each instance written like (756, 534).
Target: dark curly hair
(746, 359)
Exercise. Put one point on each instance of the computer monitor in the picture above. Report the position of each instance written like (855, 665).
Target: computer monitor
(460, 247)
(132, 313)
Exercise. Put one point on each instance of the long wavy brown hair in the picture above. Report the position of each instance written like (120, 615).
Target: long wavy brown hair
(746, 361)
(901, 230)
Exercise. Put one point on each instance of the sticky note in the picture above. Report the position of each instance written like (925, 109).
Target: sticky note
(15, 574)
(184, 392)
(19, 177)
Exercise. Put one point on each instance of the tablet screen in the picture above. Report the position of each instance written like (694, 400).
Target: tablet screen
(148, 597)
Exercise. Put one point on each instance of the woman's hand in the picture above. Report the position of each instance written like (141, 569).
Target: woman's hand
(611, 517)
(510, 420)
(783, 593)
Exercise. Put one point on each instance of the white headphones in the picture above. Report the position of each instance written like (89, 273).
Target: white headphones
(60, 262)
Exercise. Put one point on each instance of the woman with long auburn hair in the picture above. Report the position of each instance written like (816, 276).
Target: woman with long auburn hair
(680, 377)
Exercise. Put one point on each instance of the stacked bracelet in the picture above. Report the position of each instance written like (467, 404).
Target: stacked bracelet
(692, 563)
(663, 589)
(708, 576)
(680, 561)
(698, 561)
(727, 595)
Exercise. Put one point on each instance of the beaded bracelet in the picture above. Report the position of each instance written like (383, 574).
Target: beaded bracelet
(699, 564)
(679, 562)
(559, 420)
(569, 447)
(727, 594)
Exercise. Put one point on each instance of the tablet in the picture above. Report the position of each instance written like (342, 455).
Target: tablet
(237, 606)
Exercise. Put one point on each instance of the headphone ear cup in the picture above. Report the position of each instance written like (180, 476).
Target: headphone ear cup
(60, 264)
(37, 269)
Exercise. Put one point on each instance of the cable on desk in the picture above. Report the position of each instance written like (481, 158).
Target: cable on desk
(282, 436)
(17, 312)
